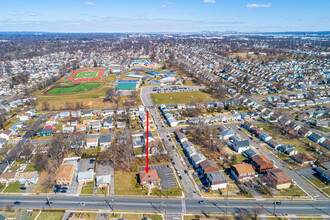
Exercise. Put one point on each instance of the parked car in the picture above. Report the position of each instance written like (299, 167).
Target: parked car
(81, 204)
(17, 203)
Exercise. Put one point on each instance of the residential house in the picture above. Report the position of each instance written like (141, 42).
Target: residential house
(121, 124)
(86, 171)
(150, 137)
(316, 138)
(304, 158)
(303, 116)
(76, 114)
(208, 166)
(264, 136)
(325, 144)
(65, 175)
(240, 146)
(76, 145)
(242, 172)
(2, 142)
(28, 177)
(324, 170)
(87, 113)
(68, 129)
(278, 179)
(150, 178)
(81, 128)
(262, 163)
(196, 159)
(190, 151)
(274, 144)
(305, 132)
(9, 177)
(107, 123)
(103, 175)
(6, 134)
(95, 125)
(92, 142)
(216, 180)
(226, 134)
(249, 153)
(105, 141)
(288, 149)
(64, 114)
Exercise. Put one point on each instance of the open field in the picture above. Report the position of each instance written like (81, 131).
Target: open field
(125, 184)
(180, 97)
(72, 88)
(86, 75)
(51, 215)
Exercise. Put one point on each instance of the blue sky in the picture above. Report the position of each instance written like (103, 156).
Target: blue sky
(164, 16)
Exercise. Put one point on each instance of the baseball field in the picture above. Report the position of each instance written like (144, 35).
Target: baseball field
(72, 88)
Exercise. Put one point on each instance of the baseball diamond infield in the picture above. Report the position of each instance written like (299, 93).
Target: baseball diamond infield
(72, 88)
(86, 75)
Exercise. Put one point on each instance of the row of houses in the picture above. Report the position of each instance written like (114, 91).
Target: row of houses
(168, 116)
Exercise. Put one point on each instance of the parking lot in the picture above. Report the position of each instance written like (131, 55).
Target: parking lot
(165, 175)
(307, 172)
(161, 89)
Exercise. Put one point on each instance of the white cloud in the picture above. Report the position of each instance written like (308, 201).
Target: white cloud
(209, 1)
(259, 5)
(167, 5)
(90, 3)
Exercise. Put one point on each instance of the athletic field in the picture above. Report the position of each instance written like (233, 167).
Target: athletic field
(86, 75)
(71, 88)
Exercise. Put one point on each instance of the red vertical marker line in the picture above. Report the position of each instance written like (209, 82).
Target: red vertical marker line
(147, 144)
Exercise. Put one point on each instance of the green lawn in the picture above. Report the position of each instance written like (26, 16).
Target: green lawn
(270, 129)
(87, 189)
(138, 151)
(294, 191)
(87, 74)
(125, 184)
(319, 183)
(85, 215)
(82, 87)
(180, 97)
(132, 216)
(173, 191)
(51, 215)
(13, 188)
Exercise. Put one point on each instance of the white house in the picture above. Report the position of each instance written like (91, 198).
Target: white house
(240, 146)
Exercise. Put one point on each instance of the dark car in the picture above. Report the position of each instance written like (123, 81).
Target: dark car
(185, 171)
(17, 203)
(173, 163)
(201, 202)
(278, 203)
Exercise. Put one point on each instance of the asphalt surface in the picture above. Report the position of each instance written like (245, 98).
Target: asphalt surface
(187, 184)
(170, 206)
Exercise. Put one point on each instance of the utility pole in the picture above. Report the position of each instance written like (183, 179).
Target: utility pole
(227, 199)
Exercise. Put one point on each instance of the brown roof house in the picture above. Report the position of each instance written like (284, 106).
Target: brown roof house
(304, 158)
(10, 177)
(150, 178)
(208, 166)
(65, 175)
(262, 163)
(278, 179)
(242, 172)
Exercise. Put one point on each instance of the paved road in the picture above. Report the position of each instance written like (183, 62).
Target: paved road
(170, 206)
(303, 183)
(164, 133)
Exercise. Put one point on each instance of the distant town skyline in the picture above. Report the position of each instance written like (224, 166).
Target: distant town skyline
(79, 16)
